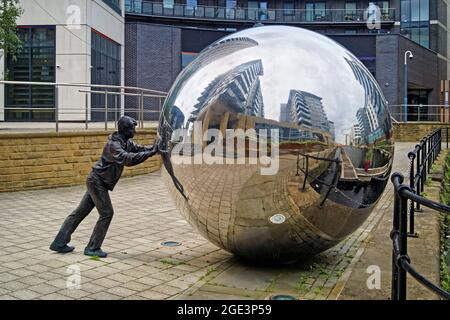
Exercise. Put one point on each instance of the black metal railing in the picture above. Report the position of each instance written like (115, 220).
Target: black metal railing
(424, 154)
(256, 14)
(421, 160)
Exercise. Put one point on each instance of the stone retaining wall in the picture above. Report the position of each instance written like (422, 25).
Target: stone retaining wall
(413, 132)
(43, 160)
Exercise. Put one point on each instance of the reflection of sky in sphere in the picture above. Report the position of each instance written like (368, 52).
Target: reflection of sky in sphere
(293, 59)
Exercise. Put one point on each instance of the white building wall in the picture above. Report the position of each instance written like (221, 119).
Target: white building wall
(73, 20)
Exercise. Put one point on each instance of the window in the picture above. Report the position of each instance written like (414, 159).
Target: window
(288, 7)
(350, 11)
(134, 6)
(187, 57)
(418, 106)
(168, 4)
(105, 62)
(191, 4)
(189, 10)
(35, 62)
(415, 21)
(114, 4)
(231, 7)
(383, 5)
(315, 11)
(257, 10)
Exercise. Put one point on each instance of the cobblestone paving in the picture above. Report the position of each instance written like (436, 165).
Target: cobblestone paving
(138, 266)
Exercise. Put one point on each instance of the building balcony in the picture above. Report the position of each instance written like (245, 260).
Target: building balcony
(285, 16)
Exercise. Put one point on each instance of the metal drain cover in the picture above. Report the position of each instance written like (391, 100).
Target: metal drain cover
(282, 297)
(171, 243)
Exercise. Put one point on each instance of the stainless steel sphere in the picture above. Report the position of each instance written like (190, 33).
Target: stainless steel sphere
(278, 143)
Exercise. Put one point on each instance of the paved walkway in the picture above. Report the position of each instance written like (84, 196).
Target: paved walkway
(423, 251)
(138, 266)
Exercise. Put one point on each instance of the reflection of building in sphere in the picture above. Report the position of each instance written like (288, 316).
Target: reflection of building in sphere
(239, 89)
(176, 118)
(355, 134)
(306, 110)
(322, 189)
(217, 50)
(369, 116)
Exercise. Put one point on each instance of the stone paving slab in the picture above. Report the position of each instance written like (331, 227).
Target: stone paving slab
(138, 266)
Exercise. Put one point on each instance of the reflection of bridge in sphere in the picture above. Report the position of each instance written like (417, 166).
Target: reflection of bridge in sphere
(234, 205)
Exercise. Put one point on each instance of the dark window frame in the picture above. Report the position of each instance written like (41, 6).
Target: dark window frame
(39, 97)
(106, 59)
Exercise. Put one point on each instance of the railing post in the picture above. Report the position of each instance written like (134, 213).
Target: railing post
(411, 156)
(429, 154)
(115, 111)
(56, 108)
(394, 233)
(440, 141)
(306, 172)
(403, 247)
(159, 107)
(141, 110)
(106, 109)
(419, 174)
(424, 164)
(86, 121)
(431, 149)
(446, 136)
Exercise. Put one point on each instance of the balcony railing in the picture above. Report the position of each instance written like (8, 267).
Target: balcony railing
(249, 14)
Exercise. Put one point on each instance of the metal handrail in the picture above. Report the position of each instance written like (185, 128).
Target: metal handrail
(106, 90)
(421, 158)
(84, 85)
(255, 14)
(401, 262)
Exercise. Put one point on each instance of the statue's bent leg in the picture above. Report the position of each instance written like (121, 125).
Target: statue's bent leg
(100, 196)
(73, 220)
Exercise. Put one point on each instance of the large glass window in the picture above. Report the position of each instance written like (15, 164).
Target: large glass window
(350, 11)
(105, 62)
(288, 8)
(315, 11)
(415, 20)
(134, 6)
(168, 4)
(257, 10)
(35, 62)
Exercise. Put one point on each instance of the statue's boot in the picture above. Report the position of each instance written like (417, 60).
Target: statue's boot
(61, 249)
(95, 253)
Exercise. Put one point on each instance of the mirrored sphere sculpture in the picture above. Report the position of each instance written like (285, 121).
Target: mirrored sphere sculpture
(278, 143)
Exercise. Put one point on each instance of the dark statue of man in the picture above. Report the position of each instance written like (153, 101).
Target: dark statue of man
(118, 152)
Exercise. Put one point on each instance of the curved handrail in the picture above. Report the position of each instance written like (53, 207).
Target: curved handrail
(400, 256)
